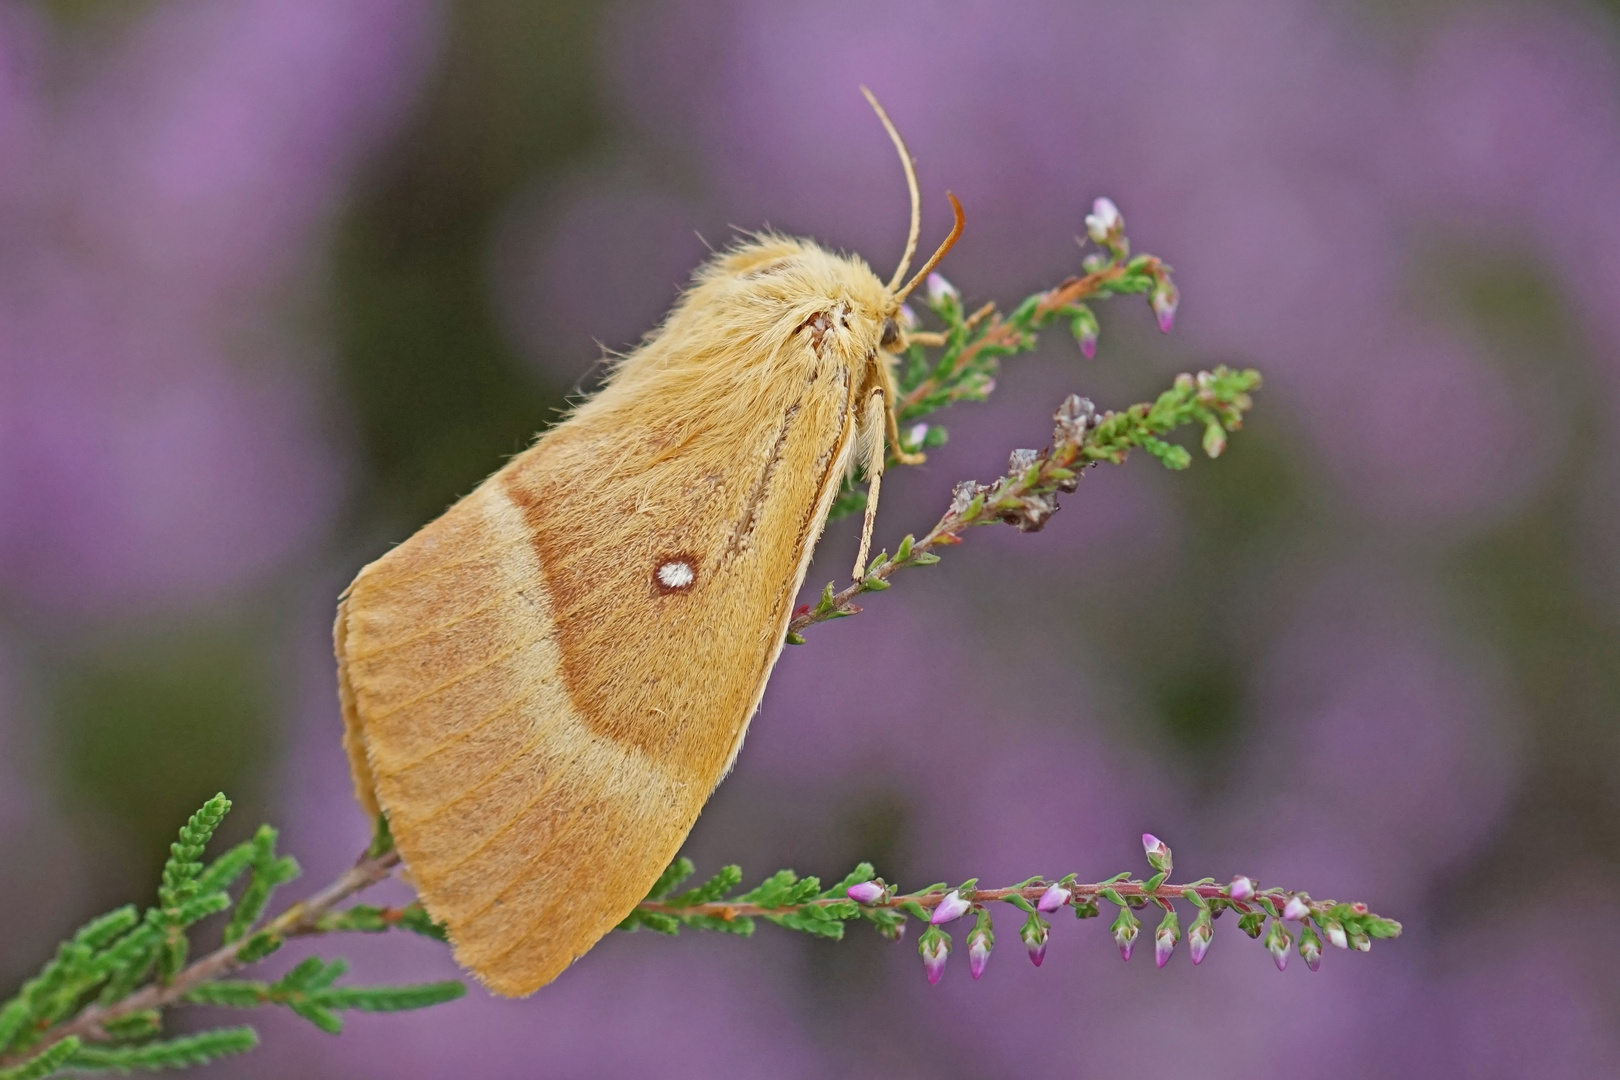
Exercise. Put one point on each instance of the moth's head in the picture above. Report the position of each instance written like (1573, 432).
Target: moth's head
(801, 286)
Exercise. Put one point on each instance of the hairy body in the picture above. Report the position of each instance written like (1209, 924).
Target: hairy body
(542, 687)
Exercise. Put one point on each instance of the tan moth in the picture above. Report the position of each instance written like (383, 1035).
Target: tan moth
(541, 688)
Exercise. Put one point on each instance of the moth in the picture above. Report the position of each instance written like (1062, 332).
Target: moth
(542, 687)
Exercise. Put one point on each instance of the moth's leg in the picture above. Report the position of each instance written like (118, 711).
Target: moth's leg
(891, 395)
(872, 428)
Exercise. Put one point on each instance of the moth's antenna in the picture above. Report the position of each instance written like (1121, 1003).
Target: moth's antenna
(911, 186)
(950, 241)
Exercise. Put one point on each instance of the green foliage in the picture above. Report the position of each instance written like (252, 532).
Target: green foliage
(269, 871)
(675, 873)
(114, 955)
(727, 879)
(308, 991)
(366, 919)
(1215, 400)
(1355, 918)
(179, 901)
(223, 871)
(181, 1053)
(45, 1062)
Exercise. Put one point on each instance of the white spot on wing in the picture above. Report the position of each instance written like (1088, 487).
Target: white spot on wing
(676, 574)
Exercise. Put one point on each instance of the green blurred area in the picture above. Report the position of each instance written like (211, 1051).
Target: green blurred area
(1524, 585)
(439, 394)
(145, 729)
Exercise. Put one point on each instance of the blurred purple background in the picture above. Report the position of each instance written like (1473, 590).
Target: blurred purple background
(279, 279)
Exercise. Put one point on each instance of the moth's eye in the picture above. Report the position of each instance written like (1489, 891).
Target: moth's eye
(891, 334)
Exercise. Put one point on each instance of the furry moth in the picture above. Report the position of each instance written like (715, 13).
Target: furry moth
(541, 688)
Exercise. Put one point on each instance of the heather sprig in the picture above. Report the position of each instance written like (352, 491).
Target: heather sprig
(969, 350)
(960, 360)
(801, 904)
(99, 1003)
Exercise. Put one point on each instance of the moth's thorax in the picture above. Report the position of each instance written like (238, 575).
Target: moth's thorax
(738, 331)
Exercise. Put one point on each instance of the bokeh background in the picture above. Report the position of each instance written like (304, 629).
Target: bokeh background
(279, 279)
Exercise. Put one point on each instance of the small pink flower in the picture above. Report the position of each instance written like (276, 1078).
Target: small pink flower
(1336, 934)
(1163, 946)
(1277, 942)
(1053, 898)
(1241, 888)
(1103, 220)
(1125, 937)
(1296, 910)
(1158, 853)
(1310, 948)
(1088, 344)
(867, 892)
(1198, 939)
(940, 290)
(934, 954)
(978, 954)
(951, 908)
(1165, 300)
(1035, 932)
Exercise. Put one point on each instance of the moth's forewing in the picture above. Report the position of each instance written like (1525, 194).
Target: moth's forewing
(548, 681)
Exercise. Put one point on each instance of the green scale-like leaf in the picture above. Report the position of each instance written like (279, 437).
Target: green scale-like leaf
(180, 1053)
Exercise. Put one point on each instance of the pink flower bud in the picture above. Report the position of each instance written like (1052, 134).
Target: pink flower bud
(951, 908)
(867, 892)
(1034, 934)
(1162, 948)
(1241, 888)
(1277, 942)
(1053, 898)
(1165, 300)
(1310, 949)
(1199, 937)
(1126, 927)
(1158, 853)
(940, 290)
(1296, 910)
(978, 954)
(907, 317)
(1088, 344)
(1164, 941)
(934, 953)
(1103, 220)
